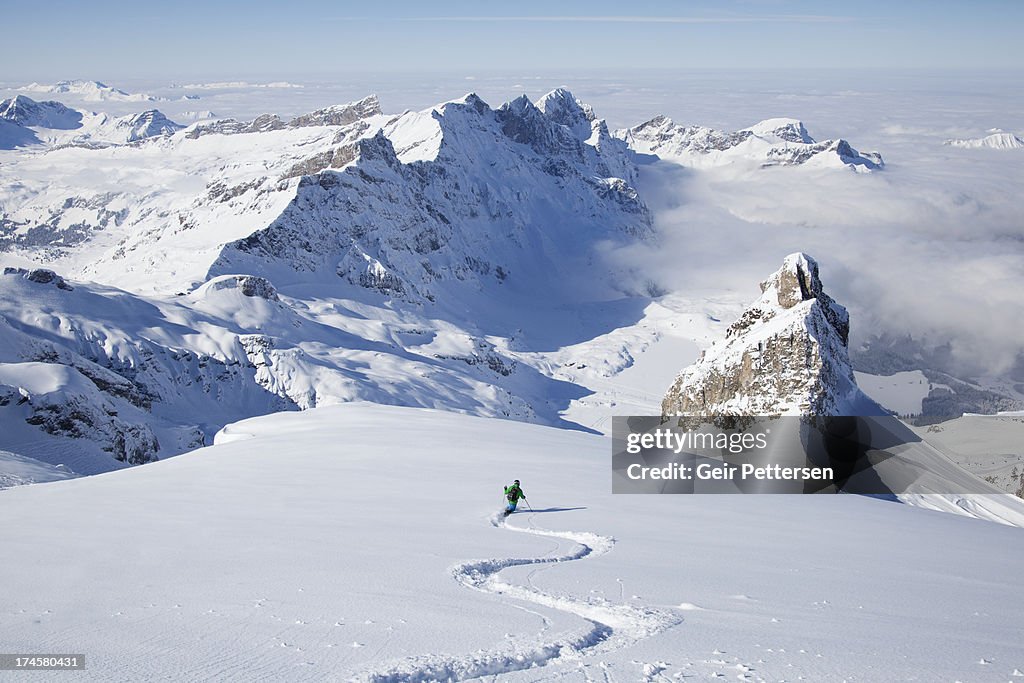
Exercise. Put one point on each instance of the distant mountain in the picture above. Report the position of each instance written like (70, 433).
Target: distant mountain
(27, 112)
(987, 445)
(336, 115)
(995, 140)
(235, 85)
(339, 115)
(773, 142)
(787, 354)
(53, 124)
(90, 91)
(198, 115)
(148, 124)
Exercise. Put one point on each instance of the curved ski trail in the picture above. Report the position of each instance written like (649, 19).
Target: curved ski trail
(610, 626)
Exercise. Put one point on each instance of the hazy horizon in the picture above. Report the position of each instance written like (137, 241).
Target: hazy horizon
(121, 41)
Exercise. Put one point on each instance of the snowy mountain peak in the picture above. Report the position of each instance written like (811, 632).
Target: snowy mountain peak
(471, 100)
(784, 129)
(520, 105)
(795, 282)
(562, 108)
(450, 195)
(524, 122)
(25, 111)
(786, 355)
(439, 217)
(146, 124)
(48, 121)
(559, 99)
(377, 148)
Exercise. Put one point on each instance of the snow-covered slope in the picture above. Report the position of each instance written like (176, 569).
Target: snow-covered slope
(901, 392)
(371, 550)
(13, 136)
(773, 142)
(460, 259)
(96, 378)
(454, 257)
(17, 470)
(990, 446)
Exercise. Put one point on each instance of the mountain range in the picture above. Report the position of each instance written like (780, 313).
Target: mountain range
(92, 91)
(461, 257)
(773, 142)
(354, 325)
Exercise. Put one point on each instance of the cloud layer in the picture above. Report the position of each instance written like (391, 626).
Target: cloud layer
(937, 253)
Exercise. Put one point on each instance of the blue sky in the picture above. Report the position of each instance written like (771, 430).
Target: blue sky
(186, 38)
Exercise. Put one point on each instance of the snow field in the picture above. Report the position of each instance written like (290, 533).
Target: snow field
(360, 542)
(900, 391)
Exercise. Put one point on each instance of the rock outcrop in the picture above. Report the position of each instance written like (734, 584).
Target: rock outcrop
(786, 355)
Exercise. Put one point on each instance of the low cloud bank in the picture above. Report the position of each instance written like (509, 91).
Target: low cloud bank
(935, 251)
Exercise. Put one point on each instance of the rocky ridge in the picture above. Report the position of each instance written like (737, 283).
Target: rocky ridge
(453, 195)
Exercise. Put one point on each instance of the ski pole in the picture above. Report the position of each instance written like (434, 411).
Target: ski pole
(528, 506)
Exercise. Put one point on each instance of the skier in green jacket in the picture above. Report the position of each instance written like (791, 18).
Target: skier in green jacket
(513, 493)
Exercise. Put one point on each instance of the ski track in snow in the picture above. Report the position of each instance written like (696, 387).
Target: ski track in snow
(611, 626)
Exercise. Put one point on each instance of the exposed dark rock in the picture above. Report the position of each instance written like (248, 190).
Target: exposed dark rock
(786, 354)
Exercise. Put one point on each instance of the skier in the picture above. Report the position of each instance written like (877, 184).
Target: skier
(513, 493)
